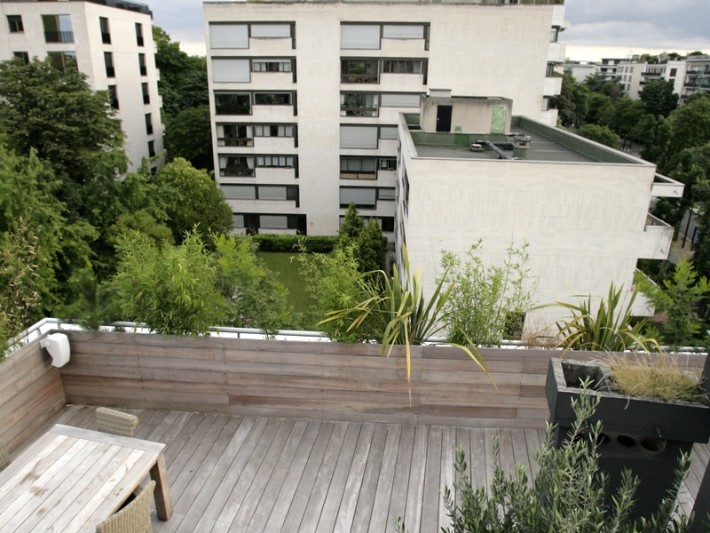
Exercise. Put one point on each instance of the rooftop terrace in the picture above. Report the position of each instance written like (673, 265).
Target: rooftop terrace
(295, 436)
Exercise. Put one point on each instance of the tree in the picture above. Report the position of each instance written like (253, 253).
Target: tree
(192, 200)
(565, 102)
(351, 227)
(255, 298)
(69, 126)
(188, 135)
(678, 298)
(654, 134)
(690, 125)
(487, 303)
(172, 289)
(600, 134)
(623, 117)
(659, 98)
(371, 247)
(598, 105)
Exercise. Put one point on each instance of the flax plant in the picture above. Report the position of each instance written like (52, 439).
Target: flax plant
(611, 328)
(397, 308)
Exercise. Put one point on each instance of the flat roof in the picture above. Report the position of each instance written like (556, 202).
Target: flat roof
(546, 144)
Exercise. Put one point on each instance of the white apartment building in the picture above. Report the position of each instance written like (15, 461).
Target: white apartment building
(673, 71)
(630, 73)
(583, 208)
(697, 76)
(111, 42)
(306, 96)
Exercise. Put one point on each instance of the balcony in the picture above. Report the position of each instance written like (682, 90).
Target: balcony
(281, 435)
(552, 86)
(59, 36)
(665, 187)
(656, 239)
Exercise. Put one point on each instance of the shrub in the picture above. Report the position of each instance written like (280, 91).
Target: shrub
(295, 243)
(568, 493)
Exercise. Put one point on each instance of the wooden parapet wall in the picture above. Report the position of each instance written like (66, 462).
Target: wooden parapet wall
(31, 393)
(307, 379)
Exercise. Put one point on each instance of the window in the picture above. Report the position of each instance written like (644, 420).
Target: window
(113, 96)
(385, 193)
(139, 34)
(360, 36)
(358, 168)
(550, 71)
(271, 65)
(232, 103)
(273, 130)
(229, 36)
(272, 98)
(387, 223)
(389, 133)
(15, 23)
(403, 66)
(358, 71)
(23, 56)
(673, 73)
(62, 60)
(148, 124)
(275, 161)
(359, 105)
(108, 61)
(401, 100)
(105, 32)
(261, 192)
(274, 221)
(554, 34)
(253, 222)
(234, 135)
(363, 197)
(239, 192)
(229, 70)
(388, 164)
(57, 29)
(151, 148)
(358, 136)
(146, 92)
(236, 166)
(141, 64)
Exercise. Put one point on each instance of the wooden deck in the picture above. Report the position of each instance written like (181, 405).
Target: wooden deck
(244, 473)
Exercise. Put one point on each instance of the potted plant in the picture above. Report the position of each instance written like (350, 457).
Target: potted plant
(645, 430)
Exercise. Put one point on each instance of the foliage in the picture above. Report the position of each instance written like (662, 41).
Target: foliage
(654, 134)
(567, 494)
(611, 328)
(351, 226)
(294, 243)
(678, 299)
(371, 247)
(334, 281)
(256, 299)
(654, 376)
(68, 125)
(485, 300)
(624, 116)
(172, 289)
(600, 134)
(188, 135)
(659, 98)
(399, 313)
(192, 199)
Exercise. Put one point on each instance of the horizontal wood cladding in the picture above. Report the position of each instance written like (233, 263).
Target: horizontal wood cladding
(309, 379)
(31, 394)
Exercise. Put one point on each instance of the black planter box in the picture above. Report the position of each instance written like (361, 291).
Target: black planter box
(644, 435)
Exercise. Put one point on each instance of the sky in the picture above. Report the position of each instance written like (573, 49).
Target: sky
(596, 28)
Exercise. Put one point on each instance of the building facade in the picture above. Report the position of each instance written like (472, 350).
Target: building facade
(305, 96)
(582, 208)
(111, 43)
(697, 76)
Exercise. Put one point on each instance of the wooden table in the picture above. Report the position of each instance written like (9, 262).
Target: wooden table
(72, 479)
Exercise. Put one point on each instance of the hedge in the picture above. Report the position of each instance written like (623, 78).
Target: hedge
(295, 243)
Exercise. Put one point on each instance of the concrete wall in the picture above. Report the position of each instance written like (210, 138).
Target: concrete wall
(89, 50)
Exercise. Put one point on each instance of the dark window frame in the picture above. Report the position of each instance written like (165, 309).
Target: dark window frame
(15, 24)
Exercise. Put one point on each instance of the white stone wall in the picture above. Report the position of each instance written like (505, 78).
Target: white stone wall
(89, 50)
(474, 50)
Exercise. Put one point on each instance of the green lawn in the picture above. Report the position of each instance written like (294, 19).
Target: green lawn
(289, 274)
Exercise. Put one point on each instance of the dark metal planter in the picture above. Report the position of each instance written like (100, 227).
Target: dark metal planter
(644, 435)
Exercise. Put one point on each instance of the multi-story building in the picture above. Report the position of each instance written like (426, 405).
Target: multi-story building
(305, 96)
(111, 42)
(607, 67)
(580, 71)
(671, 70)
(629, 73)
(697, 76)
(582, 208)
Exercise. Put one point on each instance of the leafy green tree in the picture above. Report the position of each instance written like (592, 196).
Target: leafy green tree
(623, 117)
(188, 135)
(487, 303)
(654, 134)
(172, 289)
(600, 134)
(351, 227)
(565, 102)
(370, 245)
(69, 126)
(659, 98)
(192, 199)
(598, 105)
(690, 125)
(255, 298)
(678, 298)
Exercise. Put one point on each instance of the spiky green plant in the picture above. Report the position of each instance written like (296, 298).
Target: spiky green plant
(611, 328)
(397, 308)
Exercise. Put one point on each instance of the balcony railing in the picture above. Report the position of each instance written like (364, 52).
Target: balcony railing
(59, 36)
(656, 240)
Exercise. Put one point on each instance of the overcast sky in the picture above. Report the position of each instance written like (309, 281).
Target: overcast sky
(596, 28)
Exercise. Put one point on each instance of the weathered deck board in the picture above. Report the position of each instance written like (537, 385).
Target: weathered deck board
(255, 474)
